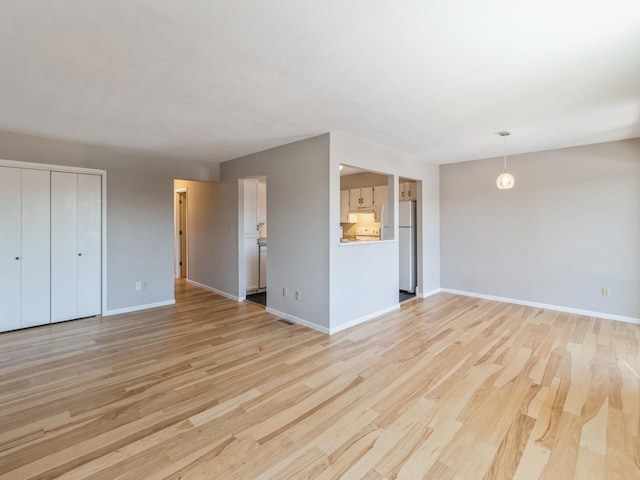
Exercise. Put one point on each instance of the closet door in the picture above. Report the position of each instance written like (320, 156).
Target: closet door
(36, 248)
(10, 248)
(64, 246)
(89, 245)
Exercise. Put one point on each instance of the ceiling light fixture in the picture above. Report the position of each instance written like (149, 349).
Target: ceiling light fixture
(505, 180)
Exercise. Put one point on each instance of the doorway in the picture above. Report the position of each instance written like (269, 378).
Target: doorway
(408, 227)
(253, 262)
(180, 238)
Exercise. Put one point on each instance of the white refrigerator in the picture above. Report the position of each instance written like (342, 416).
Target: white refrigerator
(407, 244)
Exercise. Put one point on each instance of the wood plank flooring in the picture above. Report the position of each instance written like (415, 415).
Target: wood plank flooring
(447, 387)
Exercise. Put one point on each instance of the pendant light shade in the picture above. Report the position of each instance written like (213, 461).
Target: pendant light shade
(505, 180)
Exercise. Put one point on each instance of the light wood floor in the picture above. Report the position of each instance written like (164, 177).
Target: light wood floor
(447, 387)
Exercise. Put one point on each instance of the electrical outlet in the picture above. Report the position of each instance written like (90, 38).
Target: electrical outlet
(605, 291)
(138, 285)
(297, 295)
(144, 284)
(284, 291)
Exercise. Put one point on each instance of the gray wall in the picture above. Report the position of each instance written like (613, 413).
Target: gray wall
(297, 178)
(139, 209)
(570, 226)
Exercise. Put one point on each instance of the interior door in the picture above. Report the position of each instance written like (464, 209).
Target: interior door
(64, 246)
(89, 261)
(35, 279)
(10, 248)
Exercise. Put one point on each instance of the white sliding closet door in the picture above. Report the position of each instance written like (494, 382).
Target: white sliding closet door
(36, 248)
(76, 250)
(64, 246)
(89, 245)
(24, 248)
(10, 248)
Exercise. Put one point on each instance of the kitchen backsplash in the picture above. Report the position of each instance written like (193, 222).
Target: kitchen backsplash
(361, 220)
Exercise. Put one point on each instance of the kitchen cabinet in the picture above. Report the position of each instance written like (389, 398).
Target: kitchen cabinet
(361, 199)
(262, 203)
(380, 198)
(251, 207)
(344, 206)
(407, 191)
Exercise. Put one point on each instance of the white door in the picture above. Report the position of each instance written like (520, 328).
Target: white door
(76, 237)
(36, 248)
(10, 248)
(89, 245)
(64, 246)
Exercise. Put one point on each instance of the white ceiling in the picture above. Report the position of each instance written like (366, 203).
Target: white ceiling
(218, 79)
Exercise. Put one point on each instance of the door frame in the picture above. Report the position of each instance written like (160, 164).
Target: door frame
(177, 271)
(89, 171)
(419, 290)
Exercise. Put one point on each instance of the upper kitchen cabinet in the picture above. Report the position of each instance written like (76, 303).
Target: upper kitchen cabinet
(380, 201)
(407, 191)
(262, 203)
(361, 199)
(251, 206)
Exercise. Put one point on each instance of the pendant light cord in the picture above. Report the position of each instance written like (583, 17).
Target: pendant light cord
(504, 137)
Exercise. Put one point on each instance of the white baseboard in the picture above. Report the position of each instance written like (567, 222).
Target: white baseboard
(136, 308)
(297, 320)
(215, 290)
(559, 308)
(432, 292)
(339, 328)
(363, 319)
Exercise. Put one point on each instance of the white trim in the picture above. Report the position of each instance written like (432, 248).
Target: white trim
(136, 308)
(90, 171)
(104, 241)
(432, 292)
(297, 320)
(363, 319)
(177, 245)
(559, 308)
(215, 290)
(51, 168)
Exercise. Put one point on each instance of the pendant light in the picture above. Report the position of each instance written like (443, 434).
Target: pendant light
(505, 180)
